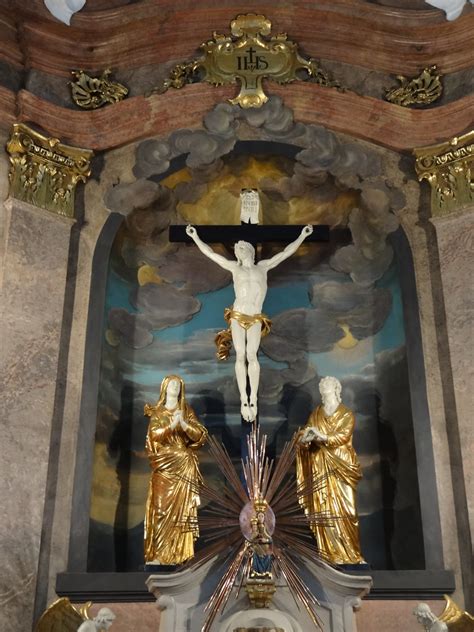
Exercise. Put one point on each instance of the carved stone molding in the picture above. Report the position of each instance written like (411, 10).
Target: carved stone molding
(449, 168)
(44, 172)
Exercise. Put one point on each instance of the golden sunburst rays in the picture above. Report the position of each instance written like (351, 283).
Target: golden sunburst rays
(268, 487)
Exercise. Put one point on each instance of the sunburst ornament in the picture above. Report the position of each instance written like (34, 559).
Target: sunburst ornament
(230, 523)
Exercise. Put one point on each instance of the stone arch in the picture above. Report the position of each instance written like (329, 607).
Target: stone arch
(354, 165)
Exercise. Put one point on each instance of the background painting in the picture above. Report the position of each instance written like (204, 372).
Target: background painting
(332, 313)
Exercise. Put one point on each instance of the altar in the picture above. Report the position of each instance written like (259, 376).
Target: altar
(236, 327)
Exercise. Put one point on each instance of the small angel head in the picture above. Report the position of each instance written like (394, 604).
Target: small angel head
(423, 613)
(105, 617)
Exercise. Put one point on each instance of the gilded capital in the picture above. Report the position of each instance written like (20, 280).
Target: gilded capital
(44, 172)
(448, 167)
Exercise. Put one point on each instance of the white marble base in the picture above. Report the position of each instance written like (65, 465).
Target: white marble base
(182, 596)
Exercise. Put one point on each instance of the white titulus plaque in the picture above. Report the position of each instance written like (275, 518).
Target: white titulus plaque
(249, 206)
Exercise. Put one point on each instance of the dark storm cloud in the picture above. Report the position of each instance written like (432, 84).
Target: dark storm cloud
(363, 271)
(354, 166)
(125, 197)
(133, 329)
(160, 306)
(364, 310)
(153, 156)
(301, 329)
(188, 267)
(164, 305)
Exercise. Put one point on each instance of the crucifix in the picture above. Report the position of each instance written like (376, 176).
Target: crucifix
(247, 323)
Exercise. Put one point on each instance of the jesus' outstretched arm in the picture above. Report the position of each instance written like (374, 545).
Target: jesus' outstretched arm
(208, 251)
(274, 261)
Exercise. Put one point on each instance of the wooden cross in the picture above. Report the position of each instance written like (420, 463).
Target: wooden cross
(254, 234)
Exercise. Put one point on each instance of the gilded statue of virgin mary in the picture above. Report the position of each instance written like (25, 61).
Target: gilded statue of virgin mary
(173, 438)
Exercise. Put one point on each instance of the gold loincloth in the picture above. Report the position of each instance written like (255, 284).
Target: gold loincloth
(223, 339)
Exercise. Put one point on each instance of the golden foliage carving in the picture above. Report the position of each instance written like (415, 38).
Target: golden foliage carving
(421, 90)
(44, 172)
(449, 168)
(91, 93)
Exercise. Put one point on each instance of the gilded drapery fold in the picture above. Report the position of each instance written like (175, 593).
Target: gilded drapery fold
(336, 467)
(171, 510)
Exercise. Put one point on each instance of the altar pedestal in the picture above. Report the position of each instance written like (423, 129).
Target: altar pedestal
(182, 597)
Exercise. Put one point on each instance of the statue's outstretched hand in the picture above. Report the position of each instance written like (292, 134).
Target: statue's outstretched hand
(191, 231)
(307, 230)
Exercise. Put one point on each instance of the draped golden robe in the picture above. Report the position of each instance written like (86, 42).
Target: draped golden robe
(336, 467)
(171, 509)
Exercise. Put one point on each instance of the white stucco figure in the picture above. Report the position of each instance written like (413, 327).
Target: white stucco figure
(63, 10)
(452, 8)
(428, 620)
(245, 317)
(102, 621)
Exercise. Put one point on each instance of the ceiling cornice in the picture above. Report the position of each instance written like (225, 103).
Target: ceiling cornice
(375, 37)
(136, 118)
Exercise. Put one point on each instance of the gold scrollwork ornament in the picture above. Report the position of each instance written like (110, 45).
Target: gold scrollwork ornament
(91, 93)
(248, 56)
(421, 90)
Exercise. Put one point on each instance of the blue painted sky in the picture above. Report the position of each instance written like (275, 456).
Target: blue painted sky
(338, 362)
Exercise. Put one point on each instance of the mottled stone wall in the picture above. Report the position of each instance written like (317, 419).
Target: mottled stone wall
(455, 237)
(415, 222)
(35, 267)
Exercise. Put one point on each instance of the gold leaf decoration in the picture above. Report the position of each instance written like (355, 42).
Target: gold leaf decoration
(456, 619)
(449, 168)
(421, 90)
(247, 56)
(60, 616)
(91, 93)
(44, 172)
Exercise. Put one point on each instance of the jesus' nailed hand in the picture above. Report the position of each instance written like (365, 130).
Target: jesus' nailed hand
(250, 287)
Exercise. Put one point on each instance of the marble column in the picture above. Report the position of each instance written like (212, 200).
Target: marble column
(34, 275)
(455, 238)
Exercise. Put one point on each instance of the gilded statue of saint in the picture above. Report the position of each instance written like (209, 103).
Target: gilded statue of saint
(325, 454)
(173, 438)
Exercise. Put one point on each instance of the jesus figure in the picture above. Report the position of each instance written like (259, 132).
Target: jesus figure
(247, 323)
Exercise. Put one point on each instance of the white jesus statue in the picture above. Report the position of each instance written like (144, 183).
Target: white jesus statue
(247, 323)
